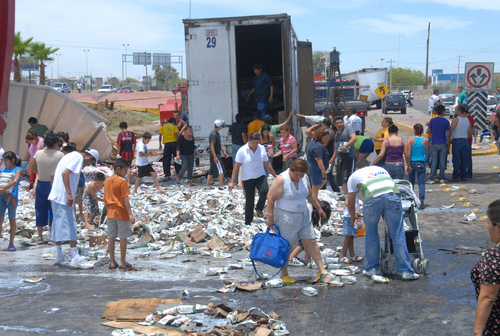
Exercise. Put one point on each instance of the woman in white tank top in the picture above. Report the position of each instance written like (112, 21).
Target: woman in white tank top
(287, 208)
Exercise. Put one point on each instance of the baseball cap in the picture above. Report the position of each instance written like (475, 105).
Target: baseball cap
(268, 119)
(94, 153)
(219, 122)
(319, 111)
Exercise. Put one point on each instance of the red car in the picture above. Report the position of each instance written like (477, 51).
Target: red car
(126, 89)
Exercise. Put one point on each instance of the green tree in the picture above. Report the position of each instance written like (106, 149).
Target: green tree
(41, 53)
(21, 48)
(319, 63)
(165, 73)
(405, 77)
(114, 82)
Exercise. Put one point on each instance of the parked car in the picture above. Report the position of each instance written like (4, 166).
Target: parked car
(106, 88)
(406, 92)
(449, 101)
(61, 87)
(491, 105)
(395, 102)
(140, 90)
(126, 89)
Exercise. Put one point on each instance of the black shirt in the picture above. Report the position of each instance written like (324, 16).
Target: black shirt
(215, 137)
(185, 146)
(236, 130)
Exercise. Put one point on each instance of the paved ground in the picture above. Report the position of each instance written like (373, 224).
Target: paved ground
(71, 302)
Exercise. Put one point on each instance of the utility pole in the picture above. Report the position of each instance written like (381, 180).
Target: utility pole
(399, 40)
(58, 77)
(390, 83)
(426, 83)
(124, 60)
(458, 70)
(381, 62)
(87, 66)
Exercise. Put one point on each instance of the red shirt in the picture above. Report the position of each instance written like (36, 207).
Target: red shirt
(471, 120)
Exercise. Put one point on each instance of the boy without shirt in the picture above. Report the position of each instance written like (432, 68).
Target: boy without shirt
(90, 200)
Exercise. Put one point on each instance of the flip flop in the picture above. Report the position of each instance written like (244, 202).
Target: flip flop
(12, 248)
(259, 213)
(356, 258)
(125, 266)
(113, 267)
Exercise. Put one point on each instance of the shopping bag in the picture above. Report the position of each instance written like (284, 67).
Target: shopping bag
(270, 249)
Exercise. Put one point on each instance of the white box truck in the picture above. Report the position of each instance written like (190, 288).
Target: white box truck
(220, 54)
(372, 77)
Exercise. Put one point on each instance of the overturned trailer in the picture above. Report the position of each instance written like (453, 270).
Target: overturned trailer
(58, 112)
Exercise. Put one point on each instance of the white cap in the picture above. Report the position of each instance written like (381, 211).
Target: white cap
(219, 122)
(94, 153)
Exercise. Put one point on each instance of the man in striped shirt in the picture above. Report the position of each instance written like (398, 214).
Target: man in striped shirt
(381, 197)
(126, 145)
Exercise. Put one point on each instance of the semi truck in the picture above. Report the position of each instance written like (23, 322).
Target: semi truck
(369, 79)
(220, 54)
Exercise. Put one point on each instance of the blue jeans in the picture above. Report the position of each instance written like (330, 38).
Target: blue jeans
(235, 150)
(418, 168)
(397, 171)
(469, 161)
(438, 152)
(262, 107)
(460, 149)
(390, 206)
(187, 166)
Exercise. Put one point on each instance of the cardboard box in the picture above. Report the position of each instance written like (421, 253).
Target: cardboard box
(216, 243)
(197, 235)
(183, 238)
(98, 241)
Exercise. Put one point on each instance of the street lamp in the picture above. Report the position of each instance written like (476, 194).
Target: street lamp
(58, 77)
(381, 62)
(123, 79)
(86, 62)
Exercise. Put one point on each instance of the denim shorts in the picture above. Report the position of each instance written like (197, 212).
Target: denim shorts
(349, 229)
(315, 174)
(11, 207)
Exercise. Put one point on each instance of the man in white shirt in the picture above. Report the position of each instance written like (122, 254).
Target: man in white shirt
(352, 119)
(434, 100)
(380, 197)
(315, 119)
(64, 227)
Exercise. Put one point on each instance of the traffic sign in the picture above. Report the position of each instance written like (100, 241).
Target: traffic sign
(382, 91)
(479, 75)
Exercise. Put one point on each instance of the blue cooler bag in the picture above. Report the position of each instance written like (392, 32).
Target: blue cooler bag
(270, 249)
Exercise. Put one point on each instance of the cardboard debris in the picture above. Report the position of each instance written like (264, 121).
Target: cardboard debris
(247, 286)
(183, 238)
(260, 331)
(143, 329)
(197, 234)
(217, 243)
(135, 309)
(98, 241)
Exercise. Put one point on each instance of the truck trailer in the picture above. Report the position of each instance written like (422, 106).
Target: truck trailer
(220, 54)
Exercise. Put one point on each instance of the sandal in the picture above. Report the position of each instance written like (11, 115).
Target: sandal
(357, 259)
(12, 248)
(113, 267)
(345, 260)
(259, 213)
(127, 265)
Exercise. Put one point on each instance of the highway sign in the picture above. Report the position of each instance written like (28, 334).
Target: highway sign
(382, 91)
(479, 75)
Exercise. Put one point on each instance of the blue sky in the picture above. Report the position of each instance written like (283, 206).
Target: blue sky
(363, 31)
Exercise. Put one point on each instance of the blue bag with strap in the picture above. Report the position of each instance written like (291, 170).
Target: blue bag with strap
(270, 249)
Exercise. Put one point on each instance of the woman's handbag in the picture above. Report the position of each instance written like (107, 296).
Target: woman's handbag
(270, 249)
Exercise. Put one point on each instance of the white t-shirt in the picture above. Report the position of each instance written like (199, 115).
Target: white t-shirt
(74, 162)
(141, 161)
(433, 100)
(314, 119)
(355, 122)
(2, 152)
(373, 181)
(252, 164)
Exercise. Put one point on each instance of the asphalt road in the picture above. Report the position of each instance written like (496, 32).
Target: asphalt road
(70, 302)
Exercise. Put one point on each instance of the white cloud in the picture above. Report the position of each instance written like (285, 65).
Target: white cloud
(408, 24)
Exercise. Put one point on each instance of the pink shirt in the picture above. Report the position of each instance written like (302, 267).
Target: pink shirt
(286, 145)
(34, 148)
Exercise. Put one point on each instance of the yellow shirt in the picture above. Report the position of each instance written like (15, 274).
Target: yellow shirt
(255, 126)
(168, 132)
(382, 133)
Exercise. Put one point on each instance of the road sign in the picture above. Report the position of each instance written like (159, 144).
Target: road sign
(477, 107)
(382, 91)
(479, 75)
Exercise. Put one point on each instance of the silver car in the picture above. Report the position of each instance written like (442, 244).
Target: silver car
(491, 104)
(61, 87)
(449, 101)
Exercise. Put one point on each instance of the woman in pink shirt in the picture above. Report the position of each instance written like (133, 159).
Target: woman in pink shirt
(288, 146)
(36, 143)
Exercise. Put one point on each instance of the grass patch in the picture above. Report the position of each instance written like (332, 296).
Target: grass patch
(148, 117)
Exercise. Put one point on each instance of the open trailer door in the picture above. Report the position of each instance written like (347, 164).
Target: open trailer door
(306, 77)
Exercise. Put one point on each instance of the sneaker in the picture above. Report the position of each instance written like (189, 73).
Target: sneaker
(80, 264)
(326, 277)
(295, 262)
(372, 272)
(410, 276)
(59, 260)
(430, 182)
(442, 181)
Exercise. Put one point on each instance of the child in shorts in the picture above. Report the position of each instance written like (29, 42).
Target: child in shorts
(316, 220)
(349, 232)
(8, 200)
(116, 192)
(143, 165)
(126, 145)
(91, 200)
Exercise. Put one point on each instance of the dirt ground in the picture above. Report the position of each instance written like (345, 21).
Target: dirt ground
(136, 123)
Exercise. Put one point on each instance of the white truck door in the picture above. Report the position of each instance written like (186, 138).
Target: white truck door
(209, 77)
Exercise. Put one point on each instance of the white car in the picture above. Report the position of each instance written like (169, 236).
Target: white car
(449, 101)
(61, 87)
(106, 88)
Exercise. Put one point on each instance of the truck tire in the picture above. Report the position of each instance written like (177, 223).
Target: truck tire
(379, 104)
(403, 111)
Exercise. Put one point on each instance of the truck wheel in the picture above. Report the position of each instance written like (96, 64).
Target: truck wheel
(379, 104)
(403, 111)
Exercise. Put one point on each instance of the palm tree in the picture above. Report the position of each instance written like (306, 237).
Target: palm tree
(20, 49)
(41, 53)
